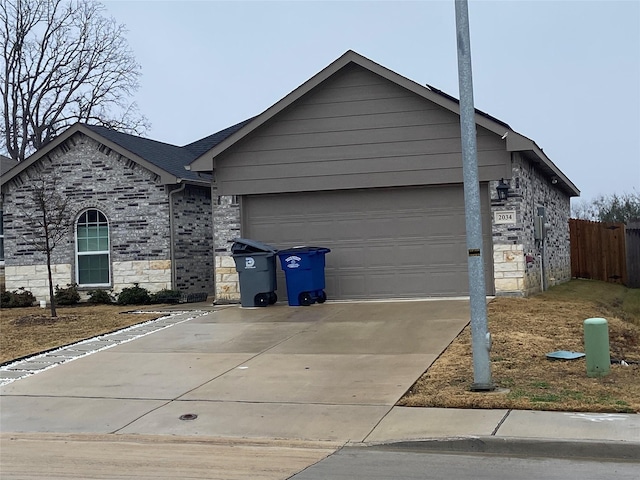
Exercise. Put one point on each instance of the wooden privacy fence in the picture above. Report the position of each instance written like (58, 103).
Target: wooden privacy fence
(633, 254)
(598, 251)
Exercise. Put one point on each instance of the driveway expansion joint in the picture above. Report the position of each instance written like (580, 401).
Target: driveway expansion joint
(502, 420)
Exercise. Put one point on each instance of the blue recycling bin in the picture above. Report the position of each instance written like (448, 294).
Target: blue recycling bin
(304, 274)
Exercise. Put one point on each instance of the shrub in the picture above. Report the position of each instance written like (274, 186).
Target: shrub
(67, 296)
(5, 298)
(17, 298)
(135, 295)
(166, 296)
(102, 297)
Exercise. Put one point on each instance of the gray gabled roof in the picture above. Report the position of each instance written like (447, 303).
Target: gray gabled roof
(166, 160)
(205, 144)
(167, 157)
(515, 142)
(6, 164)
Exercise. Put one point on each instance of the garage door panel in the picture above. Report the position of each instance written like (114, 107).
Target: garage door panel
(445, 254)
(413, 225)
(350, 285)
(381, 256)
(381, 285)
(443, 225)
(385, 243)
(345, 256)
(447, 283)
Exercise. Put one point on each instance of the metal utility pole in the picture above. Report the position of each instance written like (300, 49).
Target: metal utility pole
(480, 337)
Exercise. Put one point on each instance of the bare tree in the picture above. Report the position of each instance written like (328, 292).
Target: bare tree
(62, 62)
(47, 221)
(609, 208)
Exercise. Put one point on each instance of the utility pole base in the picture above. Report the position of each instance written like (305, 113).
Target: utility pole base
(482, 387)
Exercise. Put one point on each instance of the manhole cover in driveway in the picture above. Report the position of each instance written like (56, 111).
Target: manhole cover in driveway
(188, 416)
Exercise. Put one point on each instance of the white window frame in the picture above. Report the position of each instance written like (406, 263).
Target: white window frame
(93, 252)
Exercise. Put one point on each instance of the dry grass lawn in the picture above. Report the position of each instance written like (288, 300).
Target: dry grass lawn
(524, 330)
(25, 331)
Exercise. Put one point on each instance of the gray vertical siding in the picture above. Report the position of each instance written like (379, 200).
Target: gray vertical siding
(357, 130)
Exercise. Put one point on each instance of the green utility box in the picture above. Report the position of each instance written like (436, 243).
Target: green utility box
(596, 347)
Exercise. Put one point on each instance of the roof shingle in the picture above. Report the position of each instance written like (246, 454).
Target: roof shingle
(170, 158)
(165, 156)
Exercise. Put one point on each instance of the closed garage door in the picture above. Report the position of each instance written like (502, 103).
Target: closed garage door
(385, 243)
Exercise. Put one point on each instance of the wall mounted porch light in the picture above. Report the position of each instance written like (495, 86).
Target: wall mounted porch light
(503, 190)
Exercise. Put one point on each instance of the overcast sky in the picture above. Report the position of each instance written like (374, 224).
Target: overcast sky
(565, 74)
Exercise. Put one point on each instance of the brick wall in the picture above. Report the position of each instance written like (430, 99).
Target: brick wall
(517, 255)
(137, 208)
(193, 227)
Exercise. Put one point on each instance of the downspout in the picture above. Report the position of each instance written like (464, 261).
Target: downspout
(214, 202)
(172, 234)
(542, 265)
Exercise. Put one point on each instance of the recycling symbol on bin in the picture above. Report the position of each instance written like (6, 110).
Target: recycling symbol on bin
(292, 261)
(249, 262)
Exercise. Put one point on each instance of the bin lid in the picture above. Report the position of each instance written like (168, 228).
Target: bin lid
(245, 245)
(303, 250)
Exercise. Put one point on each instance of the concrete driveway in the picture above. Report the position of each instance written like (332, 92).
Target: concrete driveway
(327, 372)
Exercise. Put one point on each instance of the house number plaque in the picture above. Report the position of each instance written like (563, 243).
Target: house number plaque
(504, 217)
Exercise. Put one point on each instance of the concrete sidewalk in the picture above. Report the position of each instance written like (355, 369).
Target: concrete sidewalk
(521, 432)
(325, 376)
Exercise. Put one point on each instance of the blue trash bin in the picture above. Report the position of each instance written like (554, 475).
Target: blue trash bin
(304, 273)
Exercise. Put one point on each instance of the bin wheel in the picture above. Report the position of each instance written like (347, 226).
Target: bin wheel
(322, 297)
(305, 299)
(273, 298)
(261, 300)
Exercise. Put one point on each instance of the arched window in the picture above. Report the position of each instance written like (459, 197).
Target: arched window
(92, 249)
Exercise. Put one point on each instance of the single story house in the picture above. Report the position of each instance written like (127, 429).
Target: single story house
(368, 163)
(358, 159)
(138, 216)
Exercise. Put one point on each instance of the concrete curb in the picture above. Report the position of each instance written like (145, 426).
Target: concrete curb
(518, 446)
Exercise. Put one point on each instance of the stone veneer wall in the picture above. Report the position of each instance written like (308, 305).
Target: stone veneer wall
(194, 248)
(34, 278)
(153, 275)
(514, 244)
(226, 215)
(93, 176)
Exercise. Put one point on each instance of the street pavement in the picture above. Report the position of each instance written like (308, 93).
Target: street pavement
(230, 392)
(352, 463)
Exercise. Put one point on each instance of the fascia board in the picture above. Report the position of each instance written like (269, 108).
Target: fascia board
(33, 158)
(190, 181)
(520, 143)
